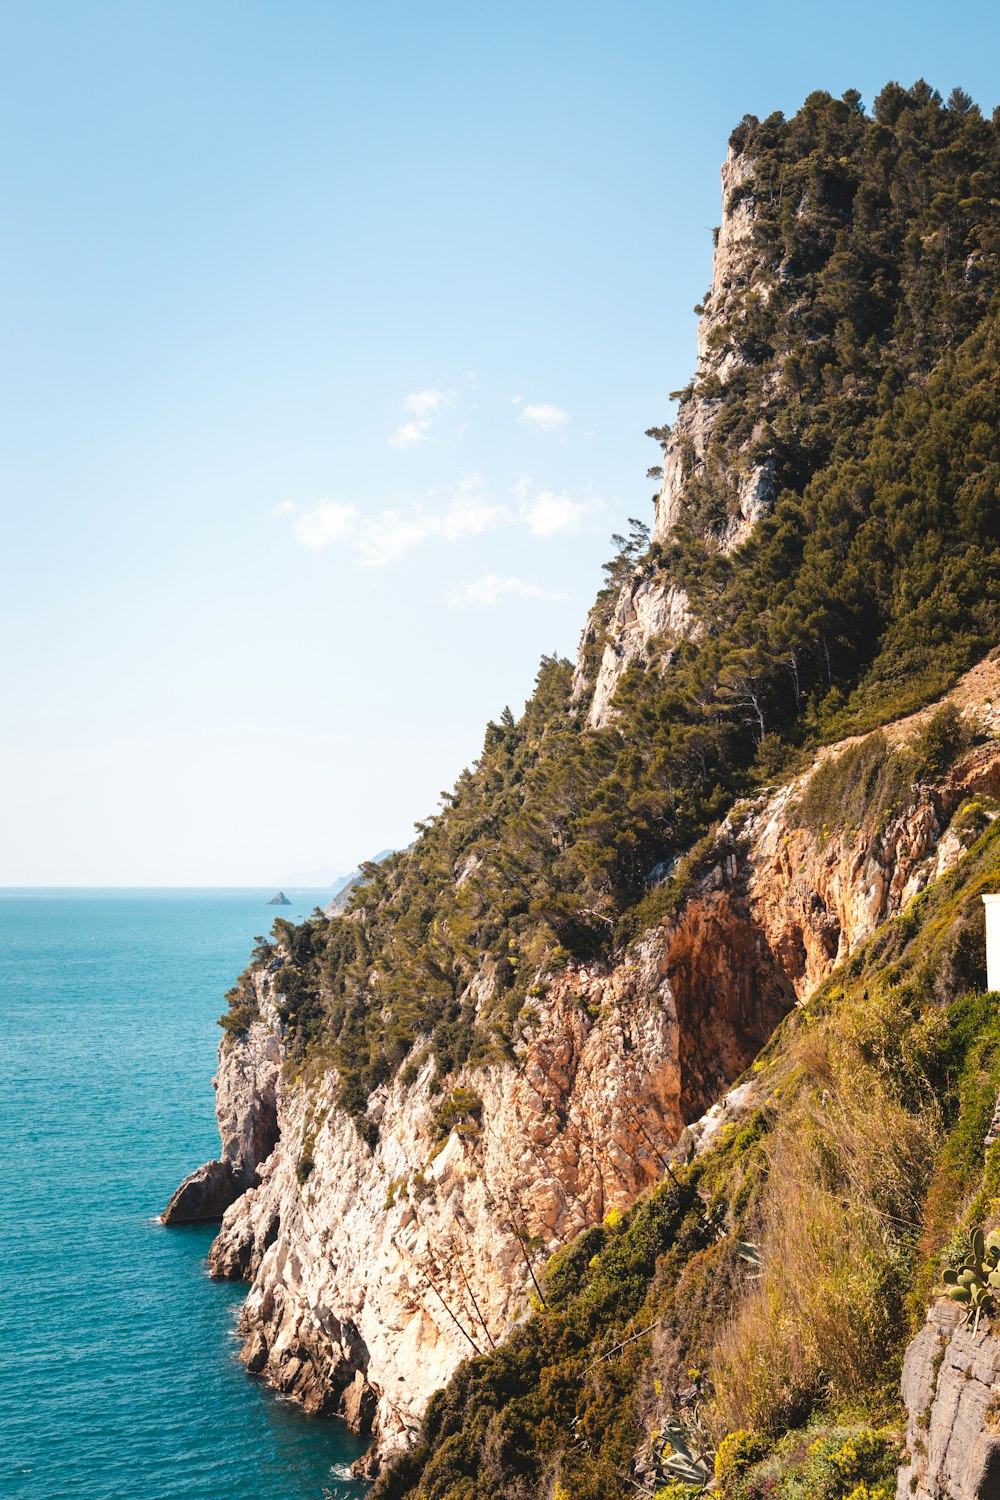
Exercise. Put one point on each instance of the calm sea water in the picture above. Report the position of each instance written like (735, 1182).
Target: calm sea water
(118, 1370)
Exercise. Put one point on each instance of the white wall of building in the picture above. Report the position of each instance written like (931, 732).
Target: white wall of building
(992, 904)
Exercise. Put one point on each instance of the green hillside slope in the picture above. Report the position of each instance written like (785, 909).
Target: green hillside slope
(773, 1281)
(869, 340)
(768, 1286)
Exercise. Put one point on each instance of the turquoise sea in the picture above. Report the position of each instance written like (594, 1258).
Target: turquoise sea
(118, 1370)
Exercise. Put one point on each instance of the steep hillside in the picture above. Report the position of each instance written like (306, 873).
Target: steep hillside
(376, 1270)
(502, 1040)
(774, 1275)
(865, 256)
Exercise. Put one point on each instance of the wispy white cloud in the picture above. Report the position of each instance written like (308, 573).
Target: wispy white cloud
(551, 514)
(330, 521)
(424, 407)
(542, 414)
(426, 403)
(410, 434)
(466, 510)
(491, 588)
(389, 534)
(392, 533)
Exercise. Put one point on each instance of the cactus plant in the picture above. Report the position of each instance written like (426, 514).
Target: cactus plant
(974, 1283)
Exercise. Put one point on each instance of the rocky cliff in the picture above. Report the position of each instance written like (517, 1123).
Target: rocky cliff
(247, 1111)
(374, 1272)
(534, 1013)
(951, 1386)
(651, 609)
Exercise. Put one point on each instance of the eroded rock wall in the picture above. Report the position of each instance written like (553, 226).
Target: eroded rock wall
(374, 1272)
(399, 1262)
(652, 609)
(246, 1107)
(951, 1387)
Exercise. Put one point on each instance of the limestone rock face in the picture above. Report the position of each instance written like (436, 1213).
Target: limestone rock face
(245, 1092)
(816, 900)
(951, 1387)
(650, 609)
(733, 262)
(374, 1271)
(733, 267)
(398, 1263)
(646, 608)
(247, 1112)
(359, 1404)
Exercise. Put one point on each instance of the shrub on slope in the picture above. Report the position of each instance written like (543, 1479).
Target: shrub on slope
(849, 1180)
(868, 344)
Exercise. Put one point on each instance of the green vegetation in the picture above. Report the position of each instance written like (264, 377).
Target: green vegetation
(758, 1301)
(941, 740)
(872, 781)
(868, 342)
(243, 1008)
(738, 1452)
(306, 1161)
(831, 1464)
(774, 1281)
(461, 1112)
(241, 1014)
(975, 1281)
(867, 779)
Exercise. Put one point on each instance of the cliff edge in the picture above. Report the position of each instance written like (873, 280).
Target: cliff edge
(374, 1271)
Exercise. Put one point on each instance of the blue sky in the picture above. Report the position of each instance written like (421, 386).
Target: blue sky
(331, 333)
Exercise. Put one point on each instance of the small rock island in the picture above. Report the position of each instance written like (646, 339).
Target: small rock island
(279, 900)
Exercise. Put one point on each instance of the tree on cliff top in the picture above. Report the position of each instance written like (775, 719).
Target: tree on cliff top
(864, 373)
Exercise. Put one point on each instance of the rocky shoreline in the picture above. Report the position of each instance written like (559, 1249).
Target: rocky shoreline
(373, 1272)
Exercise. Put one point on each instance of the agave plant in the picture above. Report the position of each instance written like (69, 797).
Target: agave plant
(976, 1281)
(750, 1252)
(686, 1462)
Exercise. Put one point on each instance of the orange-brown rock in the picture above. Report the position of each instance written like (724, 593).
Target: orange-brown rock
(374, 1272)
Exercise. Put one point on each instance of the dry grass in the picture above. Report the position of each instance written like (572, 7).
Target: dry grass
(847, 1168)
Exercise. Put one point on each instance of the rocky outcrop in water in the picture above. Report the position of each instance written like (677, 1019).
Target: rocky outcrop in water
(204, 1195)
(374, 1270)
